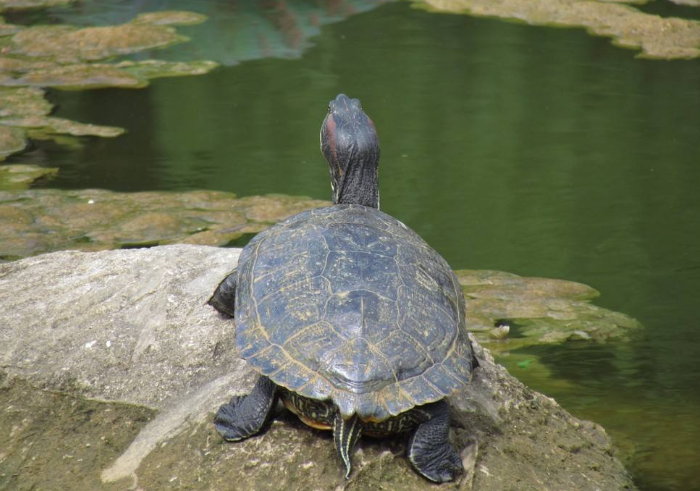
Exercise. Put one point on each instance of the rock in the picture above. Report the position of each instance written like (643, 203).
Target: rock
(657, 37)
(132, 327)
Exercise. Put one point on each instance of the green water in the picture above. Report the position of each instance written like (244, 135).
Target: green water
(539, 151)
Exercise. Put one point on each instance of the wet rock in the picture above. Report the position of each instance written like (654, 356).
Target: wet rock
(541, 311)
(133, 327)
(97, 219)
(657, 37)
(12, 140)
(20, 177)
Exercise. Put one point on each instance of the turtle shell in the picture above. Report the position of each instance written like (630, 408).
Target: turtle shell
(348, 304)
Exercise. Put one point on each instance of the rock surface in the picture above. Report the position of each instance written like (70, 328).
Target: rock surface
(132, 327)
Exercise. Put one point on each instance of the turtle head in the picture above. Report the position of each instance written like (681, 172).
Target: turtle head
(350, 144)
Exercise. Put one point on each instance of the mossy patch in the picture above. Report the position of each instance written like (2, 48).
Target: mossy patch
(13, 177)
(66, 44)
(7, 5)
(71, 58)
(545, 311)
(23, 101)
(12, 140)
(43, 431)
(96, 219)
(170, 18)
(657, 37)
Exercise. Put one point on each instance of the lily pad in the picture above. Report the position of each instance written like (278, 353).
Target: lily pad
(657, 37)
(97, 219)
(22, 176)
(542, 311)
(12, 140)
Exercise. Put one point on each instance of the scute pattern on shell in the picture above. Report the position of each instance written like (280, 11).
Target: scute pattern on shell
(347, 303)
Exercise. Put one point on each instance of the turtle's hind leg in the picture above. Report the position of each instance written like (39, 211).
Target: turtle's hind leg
(224, 298)
(245, 416)
(429, 449)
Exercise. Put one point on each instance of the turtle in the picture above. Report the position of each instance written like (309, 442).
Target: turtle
(351, 319)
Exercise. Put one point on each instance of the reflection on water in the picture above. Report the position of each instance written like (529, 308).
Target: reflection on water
(538, 151)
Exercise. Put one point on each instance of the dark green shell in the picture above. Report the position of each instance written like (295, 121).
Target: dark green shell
(348, 304)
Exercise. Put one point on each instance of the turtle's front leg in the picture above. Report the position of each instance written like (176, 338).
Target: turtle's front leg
(429, 449)
(245, 416)
(224, 298)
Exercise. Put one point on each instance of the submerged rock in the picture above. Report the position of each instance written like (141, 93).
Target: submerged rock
(657, 37)
(133, 327)
(98, 219)
(541, 311)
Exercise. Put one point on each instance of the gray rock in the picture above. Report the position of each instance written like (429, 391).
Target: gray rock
(114, 329)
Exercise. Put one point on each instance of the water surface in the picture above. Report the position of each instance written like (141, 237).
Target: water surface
(539, 151)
